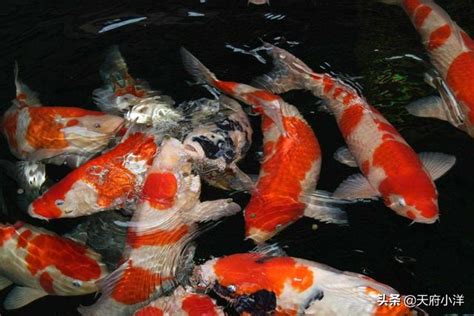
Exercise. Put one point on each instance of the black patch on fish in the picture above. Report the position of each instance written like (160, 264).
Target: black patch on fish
(264, 259)
(260, 303)
(229, 125)
(216, 148)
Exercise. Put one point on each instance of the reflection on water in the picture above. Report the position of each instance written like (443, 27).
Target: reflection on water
(60, 48)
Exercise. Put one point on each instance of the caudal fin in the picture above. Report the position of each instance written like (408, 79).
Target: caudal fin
(200, 72)
(24, 96)
(288, 72)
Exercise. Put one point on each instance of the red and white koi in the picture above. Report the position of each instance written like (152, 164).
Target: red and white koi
(163, 224)
(110, 181)
(55, 134)
(41, 263)
(291, 164)
(451, 51)
(257, 284)
(390, 167)
(182, 303)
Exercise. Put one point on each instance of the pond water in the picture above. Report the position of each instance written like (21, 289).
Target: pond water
(59, 48)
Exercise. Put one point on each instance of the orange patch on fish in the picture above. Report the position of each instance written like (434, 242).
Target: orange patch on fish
(9, 127)
(421, 14)
(411, 5)
(149, 311)
(328, 83)
(6, 233)
(461, 81)
(199, 305)
(286, 164)
(160, 190)
(45, 127)
(350, 118)
(404, 172)
(348, 98)
(23, 239)
(46, 282)
(65, 255)
(439, 36)
(157, 237)
(252, 272)
(337, 92)
(106, 174)
(135, 285)
(226, 86)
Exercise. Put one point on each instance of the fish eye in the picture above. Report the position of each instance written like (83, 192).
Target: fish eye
(231, 288)
(77, 283)
(402, 202)
(59, 202)
(97, 125)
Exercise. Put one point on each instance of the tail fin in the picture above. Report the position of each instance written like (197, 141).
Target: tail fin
(200, 72)
(288, 72)
(24, 96)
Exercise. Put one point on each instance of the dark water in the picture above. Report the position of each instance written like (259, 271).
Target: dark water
(59, 50)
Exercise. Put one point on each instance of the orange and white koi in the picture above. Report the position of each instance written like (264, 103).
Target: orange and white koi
(182, 303)
(390, 167)
(41, 263)
(55, 134)
(110, 181)
(291, 164)
(163, 224)
(451, 51)
(257, 284)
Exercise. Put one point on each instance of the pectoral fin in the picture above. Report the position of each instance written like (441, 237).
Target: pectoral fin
(344, 156)
(21, 296)
(4, 283)
(431, 106)
(437, 164)
(323, 207)
(356, 187)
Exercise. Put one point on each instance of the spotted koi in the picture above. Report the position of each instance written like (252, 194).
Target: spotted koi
(42, 263)
(451, 51)
(390, 167)
(163, 224)
(292, 159)
(256, 283)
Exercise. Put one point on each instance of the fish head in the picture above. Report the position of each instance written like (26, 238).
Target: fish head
(415, 205)
(152, 111)
(77, 269)
(67, 198)
(105, 124)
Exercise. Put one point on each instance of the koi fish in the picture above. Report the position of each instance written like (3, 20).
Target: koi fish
(163, 224)
(220, 137)
(390, 167)
(122, 93)
(258, 284)
(291, 164)
(182, 302)
(55, 134)
(107, 182)
(451, 51)
(41, 263)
